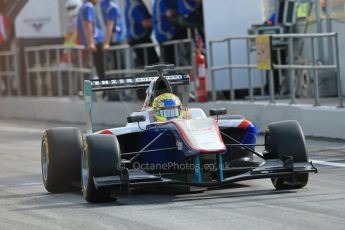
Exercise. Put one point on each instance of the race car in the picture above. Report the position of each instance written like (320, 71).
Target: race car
(168, 144)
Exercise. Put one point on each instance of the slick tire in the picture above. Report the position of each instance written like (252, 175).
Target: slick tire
(61, 151)
(101, 158)
(286, 138)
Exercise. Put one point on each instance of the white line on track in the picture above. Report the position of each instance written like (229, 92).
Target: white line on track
(31, 184)
(26, 130)
(327, 163)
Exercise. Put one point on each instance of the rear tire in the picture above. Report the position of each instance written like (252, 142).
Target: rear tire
(61, 151)
(101, 157)
(286, 138)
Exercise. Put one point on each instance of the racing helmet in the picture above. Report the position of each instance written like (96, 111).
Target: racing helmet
(166, 106)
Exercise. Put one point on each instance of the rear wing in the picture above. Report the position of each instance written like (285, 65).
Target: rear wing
(139, 80)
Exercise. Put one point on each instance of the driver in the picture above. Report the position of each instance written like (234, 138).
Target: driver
(167, 106)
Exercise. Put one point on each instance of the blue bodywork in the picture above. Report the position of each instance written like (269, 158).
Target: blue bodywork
(172, 137)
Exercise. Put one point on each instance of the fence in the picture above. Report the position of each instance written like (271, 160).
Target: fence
(50, 68)
(9, 72)
(286, 40)
(58, 70)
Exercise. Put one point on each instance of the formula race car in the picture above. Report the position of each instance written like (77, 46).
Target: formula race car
(169, 144)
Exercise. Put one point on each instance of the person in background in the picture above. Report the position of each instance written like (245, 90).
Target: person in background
(72, 7)
(191, 10)
(272, 21)
(191, 16)
(90, 33)
(139, 28)
(113, 33)
(164, 11)
(113, 23)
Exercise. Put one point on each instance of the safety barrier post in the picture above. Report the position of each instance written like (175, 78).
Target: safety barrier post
(27, 73)
(118, 59)
(291, 71)
(329, 29)
(231, 81)
(47, 54)
(214, 96)
(38, 75)
(194, 83)
(177, 56)
(16, 70)
(271, 85)
(262, 80)
(70, 80)
(251, 91)
(80, 66)
(8, 75)
(315, 74)
(339, 83)
(145, 56)
(59, 80)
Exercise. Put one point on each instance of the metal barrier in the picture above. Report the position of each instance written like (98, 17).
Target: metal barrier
(9, 72)
(128, 52)
(288, 39)
(58, 70)
(49, 66)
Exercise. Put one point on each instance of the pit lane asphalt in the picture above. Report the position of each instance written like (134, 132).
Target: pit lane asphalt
(25, 204)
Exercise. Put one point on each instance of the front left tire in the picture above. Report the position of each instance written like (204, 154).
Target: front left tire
(100, 158)
(61, 151)
(286, 138)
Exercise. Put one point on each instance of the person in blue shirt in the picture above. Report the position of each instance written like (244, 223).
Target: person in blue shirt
(90, 33)
(187, 7)
(272, 20)
(113, 23)
(191, 11)
(191, 15)
(164, 11)
(113, 33)
(139, 29)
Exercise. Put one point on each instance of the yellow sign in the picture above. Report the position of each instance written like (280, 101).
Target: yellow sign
(263, 52)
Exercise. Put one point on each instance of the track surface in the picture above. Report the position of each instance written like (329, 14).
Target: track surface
(24, 203)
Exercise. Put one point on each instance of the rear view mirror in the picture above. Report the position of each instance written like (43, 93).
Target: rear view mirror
(218, 112)
(136, 118)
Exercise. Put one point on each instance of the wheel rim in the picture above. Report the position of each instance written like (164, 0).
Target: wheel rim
(44, 162)
(84, 172)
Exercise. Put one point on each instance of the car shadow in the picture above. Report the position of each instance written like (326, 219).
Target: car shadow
(44, 200)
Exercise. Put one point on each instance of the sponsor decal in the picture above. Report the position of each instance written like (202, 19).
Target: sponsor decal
(136, 80)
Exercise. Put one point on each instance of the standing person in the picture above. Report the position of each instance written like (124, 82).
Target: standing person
(191, 10)
(113, 23)
(90, 33)
(71, 36)
(163, 12)
(139, 29)
(72, 7)
(113, 33)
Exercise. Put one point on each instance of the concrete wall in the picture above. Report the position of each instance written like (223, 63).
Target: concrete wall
(316, 121)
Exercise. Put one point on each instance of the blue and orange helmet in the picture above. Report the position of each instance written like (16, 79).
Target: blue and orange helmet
(166, 107)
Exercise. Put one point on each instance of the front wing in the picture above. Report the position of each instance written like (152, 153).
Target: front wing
(140, 178)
